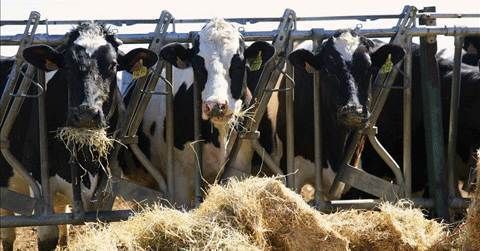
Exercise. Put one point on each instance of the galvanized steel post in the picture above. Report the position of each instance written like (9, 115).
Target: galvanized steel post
(433, 125)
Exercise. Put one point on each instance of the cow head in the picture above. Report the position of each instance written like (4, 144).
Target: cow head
(88, 62)
(220, 61)
(346, 62)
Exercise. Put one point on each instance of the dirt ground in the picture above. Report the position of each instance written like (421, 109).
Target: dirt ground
(27, 236)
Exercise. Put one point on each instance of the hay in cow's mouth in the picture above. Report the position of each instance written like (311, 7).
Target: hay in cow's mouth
(95, 141)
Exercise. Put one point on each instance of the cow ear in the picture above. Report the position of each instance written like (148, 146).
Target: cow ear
(258, 54)
(43, 57)
(304, 59)
(176, 54)
(129, 61)
(381, 54)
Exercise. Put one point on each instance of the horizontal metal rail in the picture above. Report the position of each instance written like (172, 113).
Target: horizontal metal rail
(255, 35)
(335, 205)
(128, 22)
(64, 218)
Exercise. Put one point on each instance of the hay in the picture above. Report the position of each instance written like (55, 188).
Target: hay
(95, 141)
(472, 225)
(393, 227)
(261, 213)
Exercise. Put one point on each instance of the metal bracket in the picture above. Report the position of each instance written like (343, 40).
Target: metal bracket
(129, 123)
(404, 23)
(267, 81)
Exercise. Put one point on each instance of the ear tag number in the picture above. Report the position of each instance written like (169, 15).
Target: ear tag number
(387, 66)
(256, 63)
(139, 70)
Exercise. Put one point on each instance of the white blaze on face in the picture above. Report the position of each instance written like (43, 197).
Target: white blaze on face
(346, 44)
(91, 40)
(219, 42)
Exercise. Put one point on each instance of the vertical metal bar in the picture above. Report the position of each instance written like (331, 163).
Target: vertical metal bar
(289, 114)
(433, 125)
(77, 204)
(407, 117)
(317, 136)
(198, 145)
(43, 144)
(169, 133)
(453, 122)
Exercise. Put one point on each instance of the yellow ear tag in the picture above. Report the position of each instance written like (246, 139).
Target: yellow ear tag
(387, 66)
(139, 70)
(256, 63)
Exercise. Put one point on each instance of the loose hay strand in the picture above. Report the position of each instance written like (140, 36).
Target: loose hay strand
(472, 224)
(76, 139)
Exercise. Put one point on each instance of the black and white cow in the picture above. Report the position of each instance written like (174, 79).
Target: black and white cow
(345, 63)
(471, 45)
(80, 94)
(217, 62)
(390, 124)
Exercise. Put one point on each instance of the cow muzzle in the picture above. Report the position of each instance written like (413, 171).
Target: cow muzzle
(216, 111)
(85, 116)
(352, 116)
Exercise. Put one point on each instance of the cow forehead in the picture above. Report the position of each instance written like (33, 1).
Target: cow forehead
(91, 41)
(219, 41)
(346, 44)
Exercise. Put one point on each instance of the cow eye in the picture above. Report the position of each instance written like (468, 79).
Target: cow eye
(113, 66)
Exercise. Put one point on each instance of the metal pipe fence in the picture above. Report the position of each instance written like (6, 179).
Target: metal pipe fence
(316, 34)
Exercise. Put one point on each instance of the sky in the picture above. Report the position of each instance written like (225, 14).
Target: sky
(150, 9)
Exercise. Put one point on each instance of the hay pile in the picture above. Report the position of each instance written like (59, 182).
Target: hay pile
(261, 213)
(472, 225)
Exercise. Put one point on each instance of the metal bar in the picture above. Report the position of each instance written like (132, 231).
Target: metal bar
(289, 115)
(198, 143)
(25, 40)
(407, 117)
(7, 128)
(43, 144)
(64, 218)
(17, 202)
(317, 120)
(77, 203)
(453, 121)
(162, 185)
(431, 97)
(169, 129)
(256, 35)
(121, 22)
(368, 204)
(266, 157)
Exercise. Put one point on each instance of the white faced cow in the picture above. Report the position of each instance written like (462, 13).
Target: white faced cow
(218, 63)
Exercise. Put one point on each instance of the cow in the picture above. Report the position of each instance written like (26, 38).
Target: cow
(390, 124)
(218, 63)
(80, 94)
(471, 45)
(345, 63)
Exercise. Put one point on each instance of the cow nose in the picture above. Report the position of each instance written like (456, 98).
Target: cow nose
(215, 109)
(86, 116)
(352, 115)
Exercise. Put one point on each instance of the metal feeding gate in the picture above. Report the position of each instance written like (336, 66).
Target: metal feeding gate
(37, 210)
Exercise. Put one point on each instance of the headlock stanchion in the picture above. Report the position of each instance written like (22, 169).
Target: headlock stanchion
(274, 69)
(10, 104)
(127, 129)
(262, 93)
